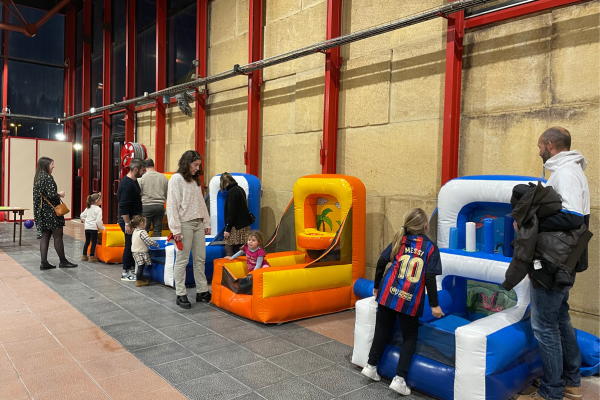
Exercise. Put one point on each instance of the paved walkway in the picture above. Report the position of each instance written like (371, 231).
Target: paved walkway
(83, 334)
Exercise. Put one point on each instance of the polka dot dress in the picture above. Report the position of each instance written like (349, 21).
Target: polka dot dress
(45, 217)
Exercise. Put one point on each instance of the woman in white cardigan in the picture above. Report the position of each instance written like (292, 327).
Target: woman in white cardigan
(189, 221)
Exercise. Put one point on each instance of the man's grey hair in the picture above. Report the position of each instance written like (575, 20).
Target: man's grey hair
(560, 137)
(136, 163)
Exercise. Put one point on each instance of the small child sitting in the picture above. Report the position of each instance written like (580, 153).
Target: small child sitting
(92, 219)
(253, 249)
(140, 243)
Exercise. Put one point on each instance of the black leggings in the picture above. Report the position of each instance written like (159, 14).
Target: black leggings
(58, 244)
(384, 328)
(91, 236)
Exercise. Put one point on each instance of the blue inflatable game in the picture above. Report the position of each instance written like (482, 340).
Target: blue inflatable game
(484, 348)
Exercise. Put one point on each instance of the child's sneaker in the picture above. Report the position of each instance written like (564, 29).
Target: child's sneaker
(84, 258)
(399, 385)
(370, 371)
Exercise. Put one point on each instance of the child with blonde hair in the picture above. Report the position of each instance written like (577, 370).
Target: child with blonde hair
(140, 245)
(92, 219)
(400, 294)
(254, 251)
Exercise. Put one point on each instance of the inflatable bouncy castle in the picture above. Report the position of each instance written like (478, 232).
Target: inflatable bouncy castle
(163, 258)
(484, 347)
(316, 254)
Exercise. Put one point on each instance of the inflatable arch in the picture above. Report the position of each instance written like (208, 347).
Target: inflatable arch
(316, 254)
(484, 347)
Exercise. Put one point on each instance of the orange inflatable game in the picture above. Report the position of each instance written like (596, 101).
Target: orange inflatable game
(316, 254)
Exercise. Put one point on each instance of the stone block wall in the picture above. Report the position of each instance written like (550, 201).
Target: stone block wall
(520, 77)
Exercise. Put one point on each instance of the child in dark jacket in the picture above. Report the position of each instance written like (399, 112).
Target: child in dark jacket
(401, 294)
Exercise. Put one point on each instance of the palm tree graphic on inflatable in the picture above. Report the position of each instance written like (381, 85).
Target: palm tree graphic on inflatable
(323, 219)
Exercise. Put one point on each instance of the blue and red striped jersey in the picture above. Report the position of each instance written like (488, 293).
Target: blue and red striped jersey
(403, 286)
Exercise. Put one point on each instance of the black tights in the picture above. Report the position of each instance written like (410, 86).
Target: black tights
(58, 243)
(384, 329)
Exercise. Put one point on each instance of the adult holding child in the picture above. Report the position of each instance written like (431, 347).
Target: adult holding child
(45, 198)
(237, 215)
(189, 222)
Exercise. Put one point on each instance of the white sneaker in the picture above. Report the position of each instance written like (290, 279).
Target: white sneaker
(399, 385)
(370, 371)
(127, 276)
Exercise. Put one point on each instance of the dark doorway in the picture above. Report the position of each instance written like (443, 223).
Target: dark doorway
(116, 145)
(95, 165)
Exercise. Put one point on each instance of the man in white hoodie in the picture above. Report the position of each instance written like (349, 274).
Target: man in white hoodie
(550, 319)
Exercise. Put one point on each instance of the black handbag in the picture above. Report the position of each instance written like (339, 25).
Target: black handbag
(252, 218)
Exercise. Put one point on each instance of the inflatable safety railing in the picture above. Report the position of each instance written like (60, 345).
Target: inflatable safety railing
(484, 347)
(316, 254)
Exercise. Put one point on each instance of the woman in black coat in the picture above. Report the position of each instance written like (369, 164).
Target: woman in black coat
(45, 197)
(236, 213)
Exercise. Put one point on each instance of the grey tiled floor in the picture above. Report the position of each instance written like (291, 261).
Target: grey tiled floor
(205, 352)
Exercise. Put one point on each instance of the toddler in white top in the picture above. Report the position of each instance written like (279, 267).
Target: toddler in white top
(140, 244)
(91, 217)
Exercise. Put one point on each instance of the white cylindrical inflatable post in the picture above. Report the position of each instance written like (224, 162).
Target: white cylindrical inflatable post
(471, 237)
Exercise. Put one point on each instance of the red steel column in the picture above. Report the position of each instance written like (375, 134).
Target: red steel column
(161, 83)
(5, 130)
(130, 71)
(70, 23)
(454, 54)
(333, 61)
(201, 70)
(85, 95)
(106, 125)
(252, 154)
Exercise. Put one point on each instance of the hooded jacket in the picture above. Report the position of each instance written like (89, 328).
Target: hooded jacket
(569, 181)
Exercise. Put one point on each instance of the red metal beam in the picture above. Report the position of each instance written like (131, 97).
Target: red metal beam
(252, 153)
(161, 83)
(333, 61)
(85, 95)
(517, 11)
(70, 26)
(201, 70)
(51, 13)
(31, 29)
(454, 54)
(130, 70)
(106, 125)
(13, 27)
(5, 131)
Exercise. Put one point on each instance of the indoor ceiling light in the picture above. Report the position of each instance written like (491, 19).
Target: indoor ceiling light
(60, 136)
(77, 146)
